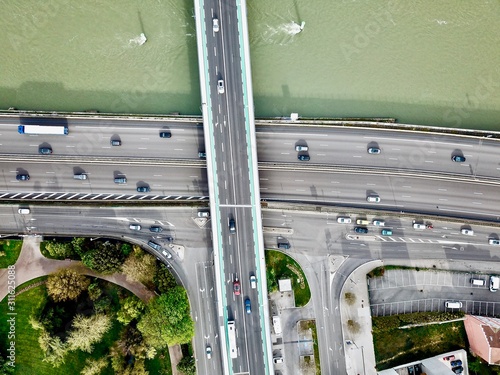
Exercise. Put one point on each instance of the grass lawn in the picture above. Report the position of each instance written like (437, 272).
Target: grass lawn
(281, 266)
(11, 249)
(28, 353)
(397, 346)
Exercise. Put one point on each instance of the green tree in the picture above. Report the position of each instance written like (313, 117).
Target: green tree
(53, 348)
(66, 284)
(94, 366)
(79, 245)
(105, 258)
(164, 280)
(94, 291)
(140, 266)
(167, 320)
(187, 365)
(59, 250)
(131, 308)
(87, 331)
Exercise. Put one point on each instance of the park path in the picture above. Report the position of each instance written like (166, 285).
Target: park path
(32, 264)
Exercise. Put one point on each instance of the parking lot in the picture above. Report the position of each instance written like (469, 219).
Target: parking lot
(403, 291)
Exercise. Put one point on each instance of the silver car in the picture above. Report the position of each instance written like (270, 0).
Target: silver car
(220, 86)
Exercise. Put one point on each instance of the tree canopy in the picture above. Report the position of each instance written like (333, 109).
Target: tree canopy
(167, 320)
(66, 285)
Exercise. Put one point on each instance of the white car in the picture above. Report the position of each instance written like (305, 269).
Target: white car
(166, 254)
(418, 226)
(216, 25)
(493, 241)
(373, 199)
(344, 220)
(220, 86)
(253, 281)
(378, 223)
(301, 148)
(209, 352)
(134, 227)
(467, 232)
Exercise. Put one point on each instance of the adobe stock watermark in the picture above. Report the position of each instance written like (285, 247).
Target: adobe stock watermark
(484, 90)
(374, 26)
(11, 316)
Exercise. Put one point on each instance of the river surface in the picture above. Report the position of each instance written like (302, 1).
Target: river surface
(423, 62)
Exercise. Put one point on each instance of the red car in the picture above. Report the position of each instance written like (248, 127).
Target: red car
(236, 287)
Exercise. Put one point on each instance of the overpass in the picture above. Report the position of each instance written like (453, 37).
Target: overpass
(231, 150)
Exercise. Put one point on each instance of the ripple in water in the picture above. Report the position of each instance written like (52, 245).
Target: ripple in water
(282, 34)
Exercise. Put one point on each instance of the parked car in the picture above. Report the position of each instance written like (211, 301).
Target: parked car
(155, 229)
(278, 360)
(204, 214)
(378, 222)
(386, 232)
(458, 370)
(283, 245)
(456, 363)
(166, 254)
(134, 227)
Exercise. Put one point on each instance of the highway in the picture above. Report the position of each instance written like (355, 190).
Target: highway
(230, 168)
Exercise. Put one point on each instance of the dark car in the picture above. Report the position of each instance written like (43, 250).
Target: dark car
(361, 230)
(458, 370)
(22, 177)
(248, 306)
(45, 150)
(236, 287)
(456, 363)
(232, 226)
(165, 135)
(155, 246)
(143, 189)
(202, 155)
(156, 229)
(458, 158)
(373, 150)
(283, 245)
(304, 157)
(116, 142)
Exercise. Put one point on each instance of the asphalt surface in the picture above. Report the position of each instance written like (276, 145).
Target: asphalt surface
(232, 196)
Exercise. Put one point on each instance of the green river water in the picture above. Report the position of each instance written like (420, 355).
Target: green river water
(423, 62)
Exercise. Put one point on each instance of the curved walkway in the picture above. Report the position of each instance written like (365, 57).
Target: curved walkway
(32, 264)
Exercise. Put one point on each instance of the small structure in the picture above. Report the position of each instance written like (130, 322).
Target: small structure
(285, 285)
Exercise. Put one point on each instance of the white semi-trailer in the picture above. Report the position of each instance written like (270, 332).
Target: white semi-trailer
(43, 129)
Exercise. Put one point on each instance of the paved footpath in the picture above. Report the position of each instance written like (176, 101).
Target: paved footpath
(32, 264)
